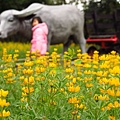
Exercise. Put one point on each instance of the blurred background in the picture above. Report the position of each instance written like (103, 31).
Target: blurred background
(104, 6)
(86, 4)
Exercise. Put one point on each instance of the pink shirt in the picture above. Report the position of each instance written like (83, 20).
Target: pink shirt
(40, 32)
(39, 38)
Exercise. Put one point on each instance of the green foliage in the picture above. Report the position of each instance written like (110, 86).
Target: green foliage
(70, 54)
(104, 5)
(21, 4)
(87, 90)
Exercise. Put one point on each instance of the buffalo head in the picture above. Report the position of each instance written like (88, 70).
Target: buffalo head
(11, 20)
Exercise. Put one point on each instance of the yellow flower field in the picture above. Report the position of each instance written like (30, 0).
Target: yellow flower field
(52, 87)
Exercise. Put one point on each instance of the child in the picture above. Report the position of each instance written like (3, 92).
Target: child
(39, 37)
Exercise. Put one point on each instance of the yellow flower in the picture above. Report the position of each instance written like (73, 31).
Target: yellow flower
(102, 90)
(111, 92)
(23, 99)
(103, 97)
(47, 53)
(42, 78)
(116, 104)
(87, 72)
(9, 70)
(77, 88)
(10, 74)
(79, 55)
(26, 81)
(5, 113)
(115, 70)
(28, 63)
(10, 80)
(96, 52)
(67, 84)
(99, 73)
(29, 71)
(42, 69)
(21, 77)
(74, 112)
(105, 80)
(3, 93)
(95, 66)
(74, 89)
(71, 89)
(86, 79)
(109, 106)
(78, 116)
(37, 69)
(62, 89)
(89, 85)
(78, 78)
(4, 103)
(38, 78)
(27, 55)
(28, 52)
(53, 65)
(87, 65)
(69, 70)
(104, 65)
(73, 100)
(55, 49)
(113, 52)
(102, 57)
(79, 73)
(24, 71)
(67, 76)
(26, 90)
(31, 79)
(5, 71)
(81, 106)
(114, 81)
(24, 94)
(74, 80)
(112, 117)
(66, 52)
(78, 50)
(52, 72)
(118, 93)
(102, 108)
(17, 51)
(71, 83)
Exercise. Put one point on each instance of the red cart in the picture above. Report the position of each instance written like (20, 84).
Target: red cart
(102, 28)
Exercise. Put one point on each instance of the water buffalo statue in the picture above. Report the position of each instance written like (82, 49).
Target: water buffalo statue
(65, 23)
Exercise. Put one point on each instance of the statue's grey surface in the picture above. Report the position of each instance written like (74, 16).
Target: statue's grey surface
(65, 23)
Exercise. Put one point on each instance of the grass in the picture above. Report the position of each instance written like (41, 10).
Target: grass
(48, 89)
(23, 47)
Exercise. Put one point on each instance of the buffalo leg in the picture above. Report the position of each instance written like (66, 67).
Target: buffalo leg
(83, 46)
(66, 45)
(49, 42)
(82, 42)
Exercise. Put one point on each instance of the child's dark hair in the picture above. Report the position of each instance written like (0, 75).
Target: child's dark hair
(37, 18)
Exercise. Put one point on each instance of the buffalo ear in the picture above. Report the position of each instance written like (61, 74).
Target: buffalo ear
(32, 9)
